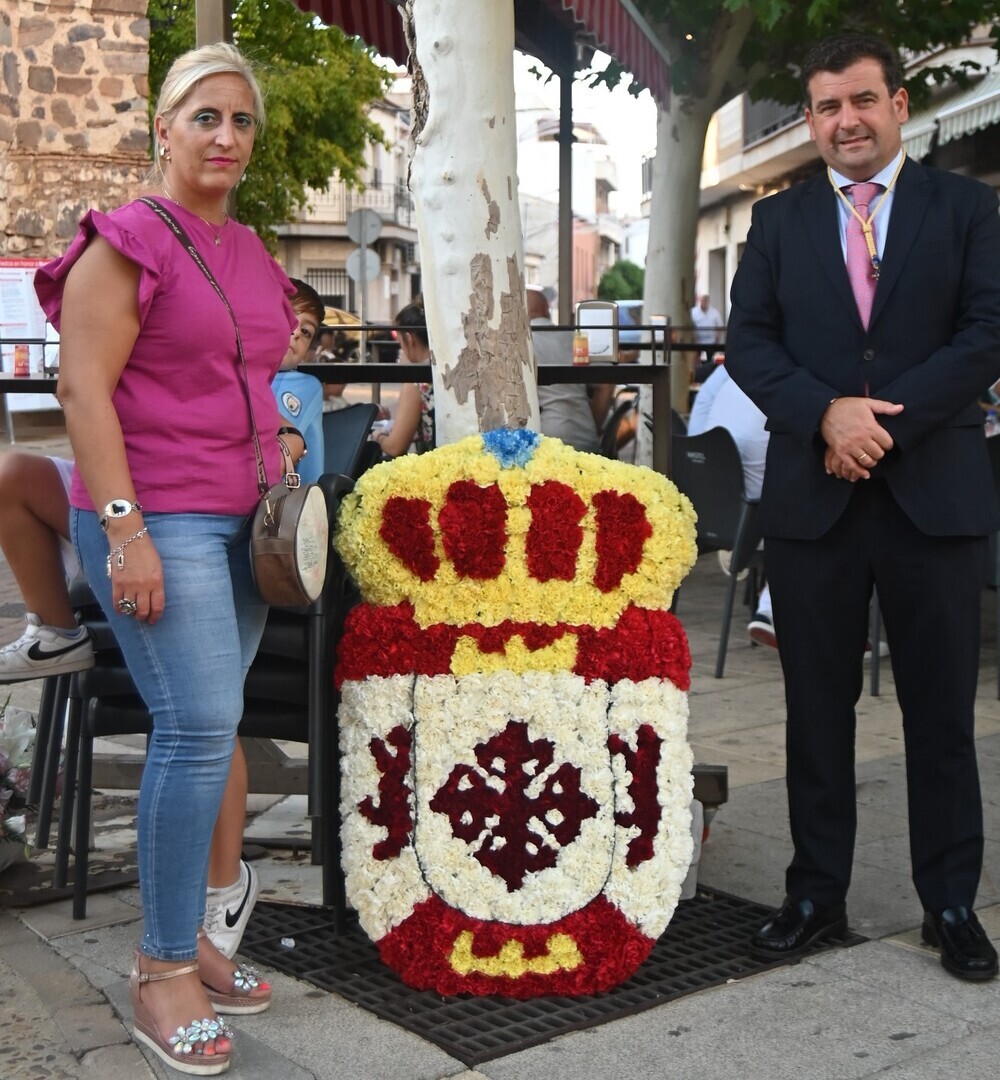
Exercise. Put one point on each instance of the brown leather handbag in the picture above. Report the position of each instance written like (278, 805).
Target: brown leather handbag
(289, 542)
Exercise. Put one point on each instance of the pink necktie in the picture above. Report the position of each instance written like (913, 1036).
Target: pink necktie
(859, 261)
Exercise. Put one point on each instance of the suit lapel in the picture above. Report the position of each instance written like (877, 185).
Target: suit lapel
(819, 211)
(913, 192)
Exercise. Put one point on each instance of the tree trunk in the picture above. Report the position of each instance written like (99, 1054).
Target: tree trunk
(673, 219)
(463, 175)
(673, 229)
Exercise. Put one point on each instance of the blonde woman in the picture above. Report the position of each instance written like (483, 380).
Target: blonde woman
(165, 483)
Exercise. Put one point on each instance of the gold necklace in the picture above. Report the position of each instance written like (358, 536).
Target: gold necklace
(216, 232)
(866, 226)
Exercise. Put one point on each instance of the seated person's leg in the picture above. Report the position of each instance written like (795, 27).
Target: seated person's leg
(761, 626)
(34, 519)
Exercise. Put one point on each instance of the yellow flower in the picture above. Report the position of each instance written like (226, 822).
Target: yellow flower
(384, 578)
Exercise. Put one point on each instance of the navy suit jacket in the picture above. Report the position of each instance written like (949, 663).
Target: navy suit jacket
(795, 341)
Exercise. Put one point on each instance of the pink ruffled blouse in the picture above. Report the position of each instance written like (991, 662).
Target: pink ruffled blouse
(180, 398)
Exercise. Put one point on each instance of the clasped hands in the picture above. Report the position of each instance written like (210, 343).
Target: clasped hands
(855, 440)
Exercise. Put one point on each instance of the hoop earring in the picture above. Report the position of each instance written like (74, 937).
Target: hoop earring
(165, 152)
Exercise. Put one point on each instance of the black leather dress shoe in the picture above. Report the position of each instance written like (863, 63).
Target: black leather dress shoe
(796, 926)
(965, 949)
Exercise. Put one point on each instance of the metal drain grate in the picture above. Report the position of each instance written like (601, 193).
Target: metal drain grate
(705, 945)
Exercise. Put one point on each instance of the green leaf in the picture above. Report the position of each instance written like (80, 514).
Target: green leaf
(317, 85)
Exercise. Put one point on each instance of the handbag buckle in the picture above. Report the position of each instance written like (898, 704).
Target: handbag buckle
(292, 481)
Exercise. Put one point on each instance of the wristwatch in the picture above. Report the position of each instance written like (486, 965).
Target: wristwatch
(118, 508)
(295, 431)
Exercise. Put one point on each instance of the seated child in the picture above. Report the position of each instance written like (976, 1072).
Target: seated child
(300, 396)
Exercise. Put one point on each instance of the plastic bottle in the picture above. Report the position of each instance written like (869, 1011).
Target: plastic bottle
(21, 361)
(581, 348)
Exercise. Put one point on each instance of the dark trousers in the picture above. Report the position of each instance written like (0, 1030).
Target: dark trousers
(929, 590)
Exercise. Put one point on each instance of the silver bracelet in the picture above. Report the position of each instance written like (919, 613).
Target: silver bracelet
(118, 553)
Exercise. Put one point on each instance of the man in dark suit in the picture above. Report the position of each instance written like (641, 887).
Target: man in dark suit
(865, 323)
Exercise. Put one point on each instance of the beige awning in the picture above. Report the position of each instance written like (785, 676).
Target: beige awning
(972, 110)
(918, 133)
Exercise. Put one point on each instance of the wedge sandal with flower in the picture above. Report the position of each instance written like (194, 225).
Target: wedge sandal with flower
(247, 993)
(196, 1049)
(241, 999)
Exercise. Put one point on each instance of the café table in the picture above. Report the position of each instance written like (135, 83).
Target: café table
(22, 384)
(656, 375)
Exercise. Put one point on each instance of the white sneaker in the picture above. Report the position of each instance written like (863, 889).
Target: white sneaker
(227, 911)
(44, 650)
(761, 629)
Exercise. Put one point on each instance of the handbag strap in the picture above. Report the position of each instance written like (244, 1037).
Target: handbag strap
(185, 241)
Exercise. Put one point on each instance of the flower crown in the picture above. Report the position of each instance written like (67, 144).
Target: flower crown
(512, 525)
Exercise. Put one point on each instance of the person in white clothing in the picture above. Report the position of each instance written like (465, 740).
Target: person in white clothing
(707, 322)
(721, 403)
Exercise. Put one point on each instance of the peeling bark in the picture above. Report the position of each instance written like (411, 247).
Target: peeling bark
(464, 152)
(491, 363)
(493, 209)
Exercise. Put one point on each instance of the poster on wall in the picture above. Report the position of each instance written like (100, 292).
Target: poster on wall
(28, 344)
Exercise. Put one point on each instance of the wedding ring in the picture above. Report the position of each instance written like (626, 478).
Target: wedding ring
(862, 455)
(127, 607)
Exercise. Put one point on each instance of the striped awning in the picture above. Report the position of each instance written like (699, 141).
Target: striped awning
(976, 108)
(918, 133)
(377, 22)
(612, 25)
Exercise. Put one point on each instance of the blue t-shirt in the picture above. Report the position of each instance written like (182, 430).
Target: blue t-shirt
(300, 402)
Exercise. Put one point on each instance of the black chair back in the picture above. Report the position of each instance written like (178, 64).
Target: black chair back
(346, 448)
(708, 469)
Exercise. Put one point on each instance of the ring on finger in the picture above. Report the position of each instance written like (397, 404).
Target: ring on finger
(863, 455)
(127, 606)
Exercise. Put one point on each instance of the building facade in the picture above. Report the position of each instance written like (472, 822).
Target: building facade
(316, 246)
(74, 129)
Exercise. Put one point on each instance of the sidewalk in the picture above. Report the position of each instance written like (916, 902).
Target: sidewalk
(883, 1008)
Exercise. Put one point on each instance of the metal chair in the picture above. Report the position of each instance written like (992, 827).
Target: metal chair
(346, 447)
(49, 727)
(609, 436)
(288, 695)
(708, 469)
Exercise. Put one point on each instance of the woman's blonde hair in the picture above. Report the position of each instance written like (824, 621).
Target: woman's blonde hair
(219, 58)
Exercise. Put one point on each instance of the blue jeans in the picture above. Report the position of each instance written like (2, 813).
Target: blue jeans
(189, 668)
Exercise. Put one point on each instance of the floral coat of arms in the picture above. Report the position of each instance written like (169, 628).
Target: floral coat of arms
(516, 775)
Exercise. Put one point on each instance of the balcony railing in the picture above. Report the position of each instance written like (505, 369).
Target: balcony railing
(764, 118)
(392, 202)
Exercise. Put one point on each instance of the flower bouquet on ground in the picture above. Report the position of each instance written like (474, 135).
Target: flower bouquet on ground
(516, 777)
(17, 733)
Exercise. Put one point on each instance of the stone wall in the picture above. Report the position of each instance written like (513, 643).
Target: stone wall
(74, 127)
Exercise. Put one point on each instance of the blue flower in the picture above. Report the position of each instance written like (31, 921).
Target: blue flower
(511, 446)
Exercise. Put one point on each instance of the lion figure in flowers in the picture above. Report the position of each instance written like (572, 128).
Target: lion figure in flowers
(516, 778)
